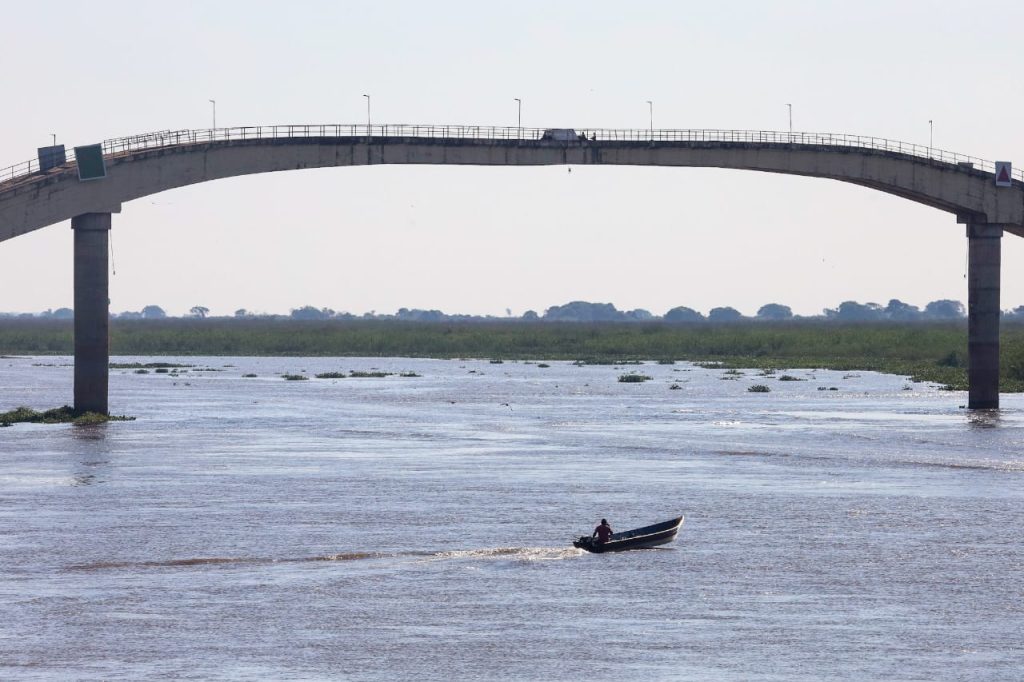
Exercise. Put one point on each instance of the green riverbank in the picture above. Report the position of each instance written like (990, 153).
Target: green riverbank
(935, 352)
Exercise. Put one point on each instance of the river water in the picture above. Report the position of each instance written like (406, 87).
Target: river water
(420, 527)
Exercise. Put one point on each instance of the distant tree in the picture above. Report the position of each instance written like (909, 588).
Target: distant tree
(308, 312)
(582, 311)
(1014, 314)
(638, 315)
(58, 314)
(241, 312)
(153, 312)
(681, 314)
(774, 311)
(851, 311)
(531, 316)
(199, 311)
(130, 315)
(725, 314)
(417, 315)
(944, 309)
(898, 310)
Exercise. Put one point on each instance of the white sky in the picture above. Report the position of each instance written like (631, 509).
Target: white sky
(480, 240)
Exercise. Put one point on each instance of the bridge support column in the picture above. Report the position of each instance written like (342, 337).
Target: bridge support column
(92, 311)
(983, 270)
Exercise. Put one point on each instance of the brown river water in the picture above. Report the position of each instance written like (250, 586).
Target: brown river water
(420, 527)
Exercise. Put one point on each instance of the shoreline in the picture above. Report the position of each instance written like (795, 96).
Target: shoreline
(932, 352)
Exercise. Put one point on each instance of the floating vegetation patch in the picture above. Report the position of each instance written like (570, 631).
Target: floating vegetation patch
(497, 361)
(666, 361)
(734, 372)
(600, 360)
(161, 370)
(409, 375)
(144, 365)
(633, 378)
(543, 365)
(369, 375)
(295, 377)
(332, 375)
(142, 371)
(674, 387)
(759, 388)
(58, 415)
(790, 377)
(827, 388)
(248, 376)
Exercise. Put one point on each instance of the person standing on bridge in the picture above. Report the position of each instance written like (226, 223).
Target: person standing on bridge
(603, 532)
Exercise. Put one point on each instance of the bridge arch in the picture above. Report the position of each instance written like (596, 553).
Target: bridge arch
(33, 197)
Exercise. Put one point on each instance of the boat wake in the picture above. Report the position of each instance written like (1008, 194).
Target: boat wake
(524, 554)
(520, 554)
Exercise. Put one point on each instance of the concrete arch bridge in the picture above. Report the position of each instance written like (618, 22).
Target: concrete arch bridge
(90, 184)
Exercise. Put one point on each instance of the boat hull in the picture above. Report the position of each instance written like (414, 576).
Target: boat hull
(638, 538)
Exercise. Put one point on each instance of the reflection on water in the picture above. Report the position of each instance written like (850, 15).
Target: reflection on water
(984, 419)
(420, 527)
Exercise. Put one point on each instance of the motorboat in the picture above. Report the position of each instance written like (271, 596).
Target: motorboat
(638, 538)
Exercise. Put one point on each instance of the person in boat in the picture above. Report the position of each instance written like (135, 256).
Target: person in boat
(602, 532)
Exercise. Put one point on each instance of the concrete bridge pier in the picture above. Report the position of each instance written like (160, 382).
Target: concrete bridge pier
(983, 270)
(92, 311)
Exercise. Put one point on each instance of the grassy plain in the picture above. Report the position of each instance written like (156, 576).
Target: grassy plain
(926, 351)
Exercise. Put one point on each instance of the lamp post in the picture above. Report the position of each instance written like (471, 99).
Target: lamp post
(519, 120)
(790, 121)
(214, 103)
(931, 137)
(367, 115)
(54, 136)
(650, 110)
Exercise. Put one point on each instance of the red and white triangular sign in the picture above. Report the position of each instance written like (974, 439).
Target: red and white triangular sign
(1004, 177)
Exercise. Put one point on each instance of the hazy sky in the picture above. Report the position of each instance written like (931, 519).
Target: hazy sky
(480, 240)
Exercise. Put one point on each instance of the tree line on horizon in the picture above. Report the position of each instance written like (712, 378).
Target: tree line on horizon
(584, 311)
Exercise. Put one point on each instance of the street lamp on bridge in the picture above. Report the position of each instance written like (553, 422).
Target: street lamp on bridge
(790, 120)
(214, 103)
(931, 137)
(367, 114)
(519, 120)
(650, 109)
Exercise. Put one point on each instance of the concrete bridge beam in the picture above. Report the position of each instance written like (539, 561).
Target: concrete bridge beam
(92, 311)
(983, 275)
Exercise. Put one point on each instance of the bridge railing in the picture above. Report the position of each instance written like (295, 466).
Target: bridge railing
(172, 138)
